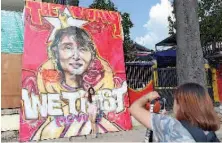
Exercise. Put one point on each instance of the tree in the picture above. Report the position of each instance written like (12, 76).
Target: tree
(210, 15)
(172, 22)
(129, 51)
(64, 2)
(210, 18)
(190, 62)
(103, 4)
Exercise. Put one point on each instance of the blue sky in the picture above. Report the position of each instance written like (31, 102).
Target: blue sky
(148, 16)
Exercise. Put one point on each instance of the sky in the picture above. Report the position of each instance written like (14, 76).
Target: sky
(148, 16)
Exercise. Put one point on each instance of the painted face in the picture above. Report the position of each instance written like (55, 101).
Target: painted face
(73, 58)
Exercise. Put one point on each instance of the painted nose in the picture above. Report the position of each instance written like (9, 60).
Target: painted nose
(76, 54)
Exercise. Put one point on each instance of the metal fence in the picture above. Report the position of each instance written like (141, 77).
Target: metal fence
(166, 77)
(138, 75)
(210, 83)
(212, 48)
(165, 83)
(165, 80)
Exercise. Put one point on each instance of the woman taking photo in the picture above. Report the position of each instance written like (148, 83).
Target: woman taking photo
(195, 118)
(92, 110)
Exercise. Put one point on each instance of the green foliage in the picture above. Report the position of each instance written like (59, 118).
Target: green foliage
(210, 15)
(103, 4)
(210, 18)
(129, 51)
(172, 23)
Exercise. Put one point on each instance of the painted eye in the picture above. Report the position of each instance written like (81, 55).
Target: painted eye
(83, 49)
(68, 47)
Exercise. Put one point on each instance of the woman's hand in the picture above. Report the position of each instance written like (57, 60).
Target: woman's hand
(85, 95)
(139, 112)
(164, 112)
(152, 96)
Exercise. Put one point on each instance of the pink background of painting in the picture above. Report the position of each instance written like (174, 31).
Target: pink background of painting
(35, 54)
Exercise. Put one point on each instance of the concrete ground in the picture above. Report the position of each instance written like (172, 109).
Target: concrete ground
(135, 135)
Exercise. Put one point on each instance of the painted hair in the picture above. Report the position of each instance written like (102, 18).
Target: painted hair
(196, 107)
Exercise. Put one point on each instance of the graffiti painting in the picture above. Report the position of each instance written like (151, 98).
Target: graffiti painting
(67, 50)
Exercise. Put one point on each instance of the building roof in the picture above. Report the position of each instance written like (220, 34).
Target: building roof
(12, 5)
(141, 48)
(169, 41)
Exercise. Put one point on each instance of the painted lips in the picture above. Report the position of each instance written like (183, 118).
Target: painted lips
(76, 65)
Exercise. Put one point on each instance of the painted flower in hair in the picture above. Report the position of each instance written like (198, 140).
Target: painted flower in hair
(50, 75)
(97, 26)
(30, 83)
(94, 74)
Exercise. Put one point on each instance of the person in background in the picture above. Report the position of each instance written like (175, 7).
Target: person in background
(93, 107)
(195, 118)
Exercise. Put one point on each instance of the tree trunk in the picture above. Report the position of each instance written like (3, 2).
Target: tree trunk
(190, 62)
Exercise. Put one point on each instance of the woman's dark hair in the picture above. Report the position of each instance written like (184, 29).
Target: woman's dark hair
(90, 94)
(80, 36)
(196, 107)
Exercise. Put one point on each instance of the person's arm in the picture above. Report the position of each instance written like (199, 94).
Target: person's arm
(138, 111)
(84, 95)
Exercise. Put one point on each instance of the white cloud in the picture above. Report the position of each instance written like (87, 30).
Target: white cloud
(157, 24)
